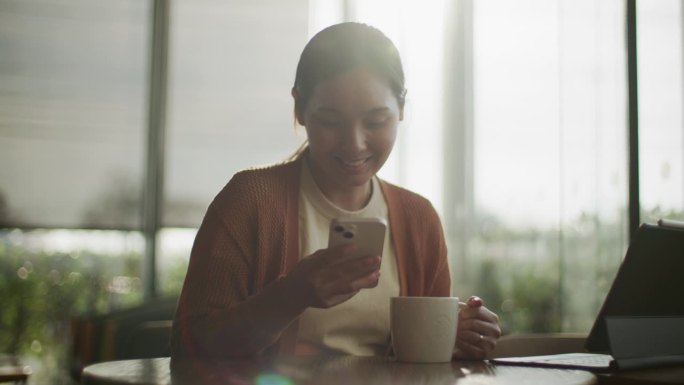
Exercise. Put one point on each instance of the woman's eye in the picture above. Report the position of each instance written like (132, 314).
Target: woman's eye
(376, 123)
(329, 123)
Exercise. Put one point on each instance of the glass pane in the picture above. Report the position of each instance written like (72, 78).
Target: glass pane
(50, 276)
(72, 112)
(174, 249)
(232, 66)
(661, 102)
(550, 157)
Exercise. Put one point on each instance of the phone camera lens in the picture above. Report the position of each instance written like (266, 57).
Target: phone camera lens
(348, 234)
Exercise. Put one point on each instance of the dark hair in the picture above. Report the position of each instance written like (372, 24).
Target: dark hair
(341, 48)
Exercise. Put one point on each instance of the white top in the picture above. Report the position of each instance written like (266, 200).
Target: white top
(361, 325)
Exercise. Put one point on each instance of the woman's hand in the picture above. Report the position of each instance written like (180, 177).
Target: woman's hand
(478, 330)
(328, 277)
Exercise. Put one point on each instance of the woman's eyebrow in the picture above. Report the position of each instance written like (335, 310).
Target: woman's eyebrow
(327, 110)
(331, 110)
(377, 110)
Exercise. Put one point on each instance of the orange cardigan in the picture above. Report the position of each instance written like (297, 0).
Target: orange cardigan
(250, 237)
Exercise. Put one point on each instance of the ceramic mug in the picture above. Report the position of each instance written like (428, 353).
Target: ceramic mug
(423, 329)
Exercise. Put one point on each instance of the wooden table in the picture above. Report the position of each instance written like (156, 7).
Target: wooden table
(342, 370)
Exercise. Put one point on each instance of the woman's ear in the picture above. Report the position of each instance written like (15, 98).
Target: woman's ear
(299, 117)
(402, 103)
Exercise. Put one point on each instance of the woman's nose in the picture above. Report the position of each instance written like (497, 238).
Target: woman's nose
(354, 138)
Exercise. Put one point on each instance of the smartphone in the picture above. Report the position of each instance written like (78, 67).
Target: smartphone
(367, 233)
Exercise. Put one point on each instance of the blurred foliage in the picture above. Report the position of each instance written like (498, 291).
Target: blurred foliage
(42, 291)
(544, 280)
(174, 276)
(534, 304)
(531, 277)
(531, 306)
(658, 212)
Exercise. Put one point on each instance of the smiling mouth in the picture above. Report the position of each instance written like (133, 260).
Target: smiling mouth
(352, 165)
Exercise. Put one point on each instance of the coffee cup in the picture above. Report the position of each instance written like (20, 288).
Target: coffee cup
(423, 329)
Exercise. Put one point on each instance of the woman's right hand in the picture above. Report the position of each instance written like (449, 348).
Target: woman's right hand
(329, 277)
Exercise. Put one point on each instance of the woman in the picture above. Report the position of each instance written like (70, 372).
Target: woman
(261, 279)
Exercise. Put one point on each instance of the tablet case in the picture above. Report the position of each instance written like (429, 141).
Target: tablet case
(649, 282)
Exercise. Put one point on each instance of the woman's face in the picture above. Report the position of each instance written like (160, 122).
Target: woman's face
(351, 122)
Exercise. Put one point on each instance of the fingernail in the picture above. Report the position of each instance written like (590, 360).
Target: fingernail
(475, 301)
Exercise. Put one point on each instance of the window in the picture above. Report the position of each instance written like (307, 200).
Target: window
(548, 226)
(661, 99)
(72, 113)
(73, 88)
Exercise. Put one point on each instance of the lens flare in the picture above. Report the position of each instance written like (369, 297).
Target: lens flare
(272, 379)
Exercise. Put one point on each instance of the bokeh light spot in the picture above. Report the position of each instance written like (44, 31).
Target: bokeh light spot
(22, 272)
(36, 346)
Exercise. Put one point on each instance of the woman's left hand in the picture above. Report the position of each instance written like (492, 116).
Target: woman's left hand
(478, 330)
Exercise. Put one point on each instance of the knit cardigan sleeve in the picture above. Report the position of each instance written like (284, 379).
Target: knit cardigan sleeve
(240, 248)
(219, 271)
(420, 244)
